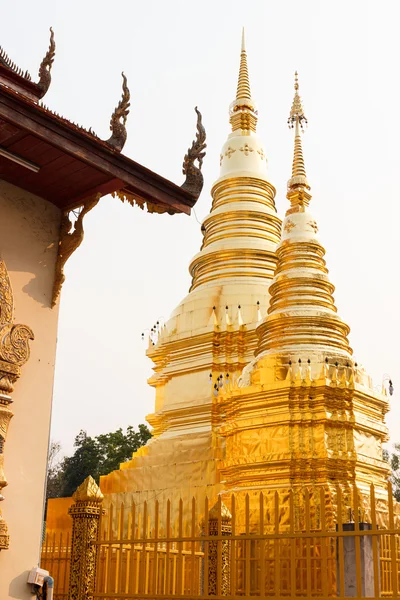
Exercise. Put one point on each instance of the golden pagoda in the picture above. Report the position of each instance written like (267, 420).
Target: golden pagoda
(304, 413)
(211, 335)
(256, 385)
(265, 427)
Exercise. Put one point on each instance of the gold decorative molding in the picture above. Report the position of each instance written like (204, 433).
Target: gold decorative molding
(14, 352)
(85, 513)
(69, 241)
(194, 177)
(119, 117)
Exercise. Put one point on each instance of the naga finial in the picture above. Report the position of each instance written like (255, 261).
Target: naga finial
(118, 118)
(194, 177)
(45, 66)
(296, 112)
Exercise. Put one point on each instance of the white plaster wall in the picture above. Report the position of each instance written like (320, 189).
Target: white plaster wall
(29, 229)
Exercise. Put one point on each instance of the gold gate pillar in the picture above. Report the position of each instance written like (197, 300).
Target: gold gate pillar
(85, 515)
(219, 559)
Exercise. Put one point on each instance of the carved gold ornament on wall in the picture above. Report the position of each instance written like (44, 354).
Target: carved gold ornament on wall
(69, 241)
(14, 352)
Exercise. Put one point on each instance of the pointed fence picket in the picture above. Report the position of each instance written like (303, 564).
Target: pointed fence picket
(308, 543)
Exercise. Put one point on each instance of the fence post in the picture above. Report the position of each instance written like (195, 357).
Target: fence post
(85, 513)
(366, 563)
(219, 512)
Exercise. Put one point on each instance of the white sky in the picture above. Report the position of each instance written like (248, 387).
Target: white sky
(132, 268)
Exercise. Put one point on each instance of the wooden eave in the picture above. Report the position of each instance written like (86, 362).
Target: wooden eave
(73, 163)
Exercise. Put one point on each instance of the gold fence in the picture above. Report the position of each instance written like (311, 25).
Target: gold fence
(305, 544)
(56, 558)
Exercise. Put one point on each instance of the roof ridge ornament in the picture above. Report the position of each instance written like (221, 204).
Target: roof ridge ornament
(119, 117)
(194, 178)
(7, 62)
(46, 65)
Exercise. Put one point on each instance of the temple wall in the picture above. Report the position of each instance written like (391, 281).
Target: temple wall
(29, 229)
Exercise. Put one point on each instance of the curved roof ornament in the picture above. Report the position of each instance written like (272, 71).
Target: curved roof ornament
(118, 118)
(194, 178)
(45, 66)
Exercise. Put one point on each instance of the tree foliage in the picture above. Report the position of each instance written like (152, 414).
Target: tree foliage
(393, 458)
(94, 456)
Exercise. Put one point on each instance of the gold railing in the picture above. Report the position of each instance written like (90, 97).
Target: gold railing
(305, 543)
(56, 558)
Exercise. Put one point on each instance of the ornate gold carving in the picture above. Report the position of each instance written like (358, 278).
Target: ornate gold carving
(45, 66)
(229, 151)
(313, 226)
(69, 241)
(246, 149)
(14, 352)
(151, 207)
(118, 119)
(289, 225)
(6, 300)
(88, 491)
(85, 513)
(261, 153)
(194, 177)
(214, 521)
(296, 112)
(298, 183)
(4, 536)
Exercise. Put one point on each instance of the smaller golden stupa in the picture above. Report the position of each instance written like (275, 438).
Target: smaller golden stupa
(304, 412)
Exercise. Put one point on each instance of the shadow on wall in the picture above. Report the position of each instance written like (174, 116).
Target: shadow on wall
(29, 230)
(19, 586)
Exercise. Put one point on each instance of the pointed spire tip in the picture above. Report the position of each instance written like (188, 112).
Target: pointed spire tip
(243, 112)
(298, 181)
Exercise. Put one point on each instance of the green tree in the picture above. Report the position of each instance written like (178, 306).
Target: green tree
(393, 458)
(54, 472)
(94, 456)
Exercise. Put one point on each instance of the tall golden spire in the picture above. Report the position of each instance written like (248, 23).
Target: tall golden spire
(243, 113)
(297, 184)
(243, 87)
(302, 315)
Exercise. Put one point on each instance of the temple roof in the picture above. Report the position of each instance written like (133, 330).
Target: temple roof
(63, 162)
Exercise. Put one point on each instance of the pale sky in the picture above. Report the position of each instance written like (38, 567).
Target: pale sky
(132, 268)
